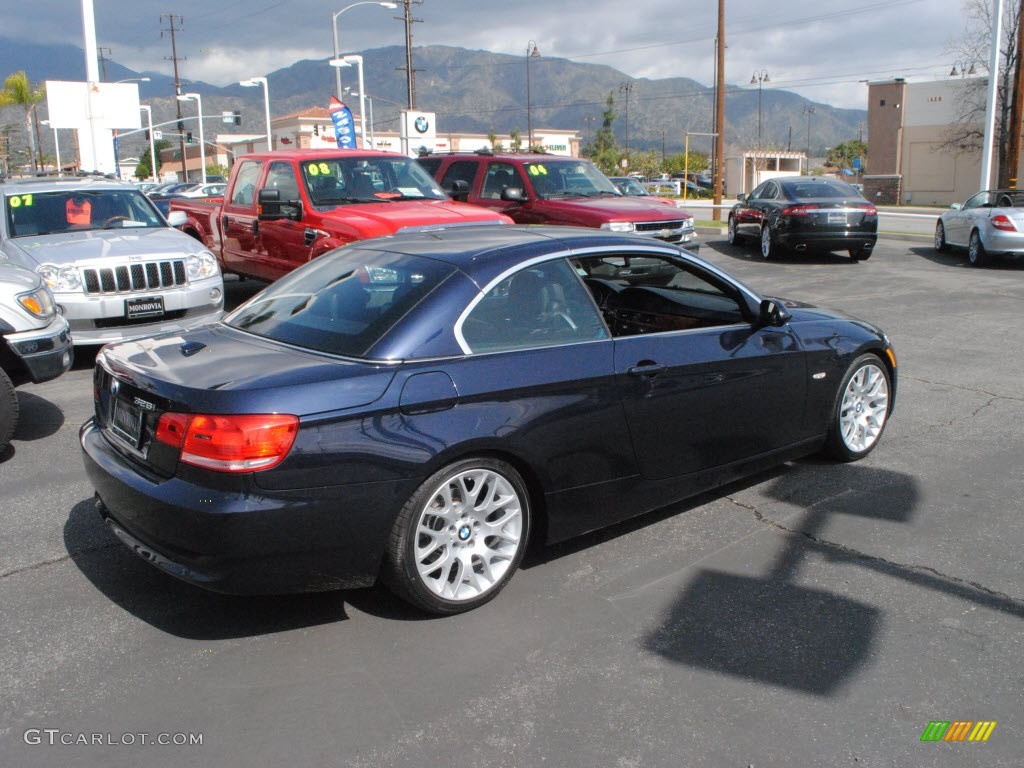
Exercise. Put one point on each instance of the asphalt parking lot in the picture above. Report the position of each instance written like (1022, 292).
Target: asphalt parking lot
(815, 615)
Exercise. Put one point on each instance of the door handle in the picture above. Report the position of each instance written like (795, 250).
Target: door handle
(646, 369)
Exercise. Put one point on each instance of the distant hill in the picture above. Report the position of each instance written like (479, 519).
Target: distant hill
(478, 91)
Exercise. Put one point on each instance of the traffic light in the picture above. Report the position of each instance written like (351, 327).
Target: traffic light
(147, 134)
(238, 118)
(188, 137)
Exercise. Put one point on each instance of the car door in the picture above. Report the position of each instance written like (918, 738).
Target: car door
(702, 384)
(960, 223)
(495, 179)
(238, 223)
(282, 242)
(751, 212)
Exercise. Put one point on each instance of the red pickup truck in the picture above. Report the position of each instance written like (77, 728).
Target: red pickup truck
(282, 209)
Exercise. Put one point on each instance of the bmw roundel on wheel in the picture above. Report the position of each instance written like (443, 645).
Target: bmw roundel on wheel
(420, 408)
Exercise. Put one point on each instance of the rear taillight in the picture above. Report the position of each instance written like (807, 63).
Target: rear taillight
(800, 210)
(870, 212)
(1003, 223)
(229, 443)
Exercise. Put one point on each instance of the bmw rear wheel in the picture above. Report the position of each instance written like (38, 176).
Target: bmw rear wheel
(861, 409)
(860, 253)
(976, 250)
(461, 536)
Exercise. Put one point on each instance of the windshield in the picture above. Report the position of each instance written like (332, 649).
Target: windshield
(568, 178)
(45, 213)
(343, 302)
(335, 180)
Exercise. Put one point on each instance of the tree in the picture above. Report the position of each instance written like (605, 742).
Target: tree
(973, 49)
(842, 155)
(605, 150)
(18, 91)
(145, 168)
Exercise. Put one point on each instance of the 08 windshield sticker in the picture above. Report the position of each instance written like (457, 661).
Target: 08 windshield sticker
(18, 201)
(318, 169)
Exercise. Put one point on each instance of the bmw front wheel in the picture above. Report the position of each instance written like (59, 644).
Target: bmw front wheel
(861, 409)
(461, 536)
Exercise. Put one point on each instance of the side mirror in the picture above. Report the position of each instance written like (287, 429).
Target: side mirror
(513, 195)
(772, 313)
(956, 207)
(177, 218)
(741, 197)
(459, 191)
(272, 208)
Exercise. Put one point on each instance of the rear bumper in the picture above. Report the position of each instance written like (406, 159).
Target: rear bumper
(827, 241)
(244, 540)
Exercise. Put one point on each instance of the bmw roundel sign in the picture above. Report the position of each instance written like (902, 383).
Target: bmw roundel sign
(422, 125)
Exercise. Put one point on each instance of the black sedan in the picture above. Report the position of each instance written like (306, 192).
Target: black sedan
(805, 213)
(419, 407)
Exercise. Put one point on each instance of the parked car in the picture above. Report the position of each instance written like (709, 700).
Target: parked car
(805, 213)
(116, 268)
(210, 189)
(36, 341)
(990, 223)
(421, 406)
(536, 188)
(284, 208)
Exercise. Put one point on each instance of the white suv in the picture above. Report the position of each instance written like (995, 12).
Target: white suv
(35, 342)
(117, 269)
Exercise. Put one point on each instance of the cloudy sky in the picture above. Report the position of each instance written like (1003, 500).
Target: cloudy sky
(821, 50)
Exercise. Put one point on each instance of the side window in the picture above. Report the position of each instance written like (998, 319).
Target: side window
(460, 170)
(980, 200)
(771, 191)
(758, 192)
(499, 176)
(649, 294)
(541, 305)
(244, 191)
(281, 177)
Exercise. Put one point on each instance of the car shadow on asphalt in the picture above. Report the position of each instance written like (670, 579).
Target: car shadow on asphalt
(955, 257)
(187, 611)
(751, 252)
(38, 419)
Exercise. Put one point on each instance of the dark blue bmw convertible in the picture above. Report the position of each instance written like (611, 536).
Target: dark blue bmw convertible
(416, 408)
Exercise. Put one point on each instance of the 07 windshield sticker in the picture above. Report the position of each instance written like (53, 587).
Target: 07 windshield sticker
(318, 169)
(19, 201)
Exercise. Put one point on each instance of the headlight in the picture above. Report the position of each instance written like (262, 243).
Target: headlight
(38, 303)
(618, 226)
(61, 279)
(202, 265)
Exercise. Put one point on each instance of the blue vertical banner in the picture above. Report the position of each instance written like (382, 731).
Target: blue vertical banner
(344, 126)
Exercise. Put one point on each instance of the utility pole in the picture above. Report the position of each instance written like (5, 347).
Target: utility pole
(103, 61)
(410, 71)
(625, 89)
(1008, 175)
(177, 85)
(719, 109)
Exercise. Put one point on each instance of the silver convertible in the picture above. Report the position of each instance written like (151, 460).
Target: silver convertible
(991, 223)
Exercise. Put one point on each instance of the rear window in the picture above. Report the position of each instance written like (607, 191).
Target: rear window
(342, 303)
(808, 190)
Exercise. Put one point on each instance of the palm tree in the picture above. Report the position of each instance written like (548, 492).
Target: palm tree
(18, 90)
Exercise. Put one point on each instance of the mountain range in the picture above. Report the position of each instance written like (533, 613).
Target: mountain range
(479, 92)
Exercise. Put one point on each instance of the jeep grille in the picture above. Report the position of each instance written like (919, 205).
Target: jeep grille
(135, 277)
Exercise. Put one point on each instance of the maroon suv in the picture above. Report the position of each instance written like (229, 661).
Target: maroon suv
(534, 188)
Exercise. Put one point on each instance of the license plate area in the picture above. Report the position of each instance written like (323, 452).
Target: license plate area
(837, 218)
(144, 307)
(126, 423)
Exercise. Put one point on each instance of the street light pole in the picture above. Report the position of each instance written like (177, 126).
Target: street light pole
(152, 143)
(334, 28)
(759, 78)
(56, 147)
(202, 143)
(531, 53)
(252, 82)
(369, 101)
